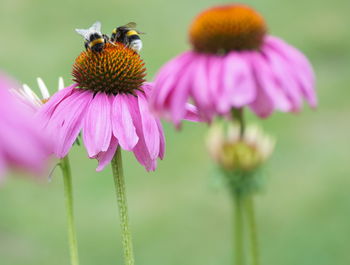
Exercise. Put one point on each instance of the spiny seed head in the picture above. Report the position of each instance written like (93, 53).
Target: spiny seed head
(226, 28)
(116, 69)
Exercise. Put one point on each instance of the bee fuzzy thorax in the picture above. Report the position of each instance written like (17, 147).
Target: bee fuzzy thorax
(131, 32)
(95, 42)
(128, 35)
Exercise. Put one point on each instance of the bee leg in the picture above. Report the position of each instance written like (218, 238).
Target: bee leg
(105, 37)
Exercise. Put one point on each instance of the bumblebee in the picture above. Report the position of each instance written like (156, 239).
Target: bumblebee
(94, 39)
(128, 35)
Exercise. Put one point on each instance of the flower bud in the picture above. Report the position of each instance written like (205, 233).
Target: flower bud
(233, 152)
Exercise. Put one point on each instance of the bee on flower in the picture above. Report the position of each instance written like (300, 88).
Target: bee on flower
(128, 35)
(93, 38)
(108, 103)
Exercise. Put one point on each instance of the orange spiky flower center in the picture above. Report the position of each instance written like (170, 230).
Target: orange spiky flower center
(116, 69)
(226, 28)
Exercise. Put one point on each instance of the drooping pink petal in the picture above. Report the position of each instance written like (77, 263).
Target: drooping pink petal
(148, 88)
(22, 144)
(166, 80)
(97, 127)
(22, 147)
(173, 93)
(200, 90)
(180, 94)
(142, 155)
(67, 119)
(192, 113)
(149, 127)
(161, 139)
(47, 110)
(215, 82)
(104, 158)
(122, 123)
(284, 78)
(238, 80)
(299, 65)
(265, 79)
(263, 105)
(141, 151)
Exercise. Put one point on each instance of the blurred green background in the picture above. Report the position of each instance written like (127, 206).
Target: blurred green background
(179, 215)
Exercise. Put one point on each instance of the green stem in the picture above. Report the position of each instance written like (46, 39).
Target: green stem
(237, 115)
(239, 228)
(254, 248)
(118, 175)
(67, 181)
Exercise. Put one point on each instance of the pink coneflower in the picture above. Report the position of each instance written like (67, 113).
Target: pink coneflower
(22, 145)
(109, 103)
(233, 63)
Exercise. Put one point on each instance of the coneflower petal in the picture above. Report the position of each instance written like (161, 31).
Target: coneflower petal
(97, 128)
(161, 139)
(43, 88)
(140, 150)
(262, 105)
(284, 78)
(122, 123)
(180, 95)
(238, 80)
(104, 158)
(149, 127)
(265, 79)
(215, 83)
(67, 121)
(299, 67)
(48, 109)
(60, 83)
(169, 75)
(199, 89)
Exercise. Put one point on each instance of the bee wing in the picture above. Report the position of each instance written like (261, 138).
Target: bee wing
(96, 27)
(139, 32)
(83, 32)
(131, 25)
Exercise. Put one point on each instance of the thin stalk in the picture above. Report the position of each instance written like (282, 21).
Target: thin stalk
(239, 228)
(118, 176)
(248, 205)
(68, 194)
(253, 235)
(237, 115)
